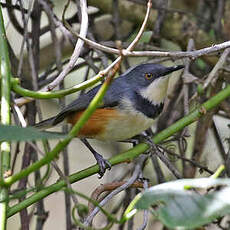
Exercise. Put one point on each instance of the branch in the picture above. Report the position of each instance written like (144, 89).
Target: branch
(52, 94)
(172, 54)
(5, 116)
(78, 47)
(132, 179)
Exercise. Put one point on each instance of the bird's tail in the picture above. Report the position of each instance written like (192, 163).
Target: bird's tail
(46, 124)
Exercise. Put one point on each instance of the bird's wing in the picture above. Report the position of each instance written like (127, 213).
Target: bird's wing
(111, 99)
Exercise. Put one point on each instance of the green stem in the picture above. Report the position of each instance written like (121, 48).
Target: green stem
(54, 94)
(126, 156)
(5, 75)
(218, 172)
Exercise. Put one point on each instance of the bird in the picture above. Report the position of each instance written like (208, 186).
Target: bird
(130, 106)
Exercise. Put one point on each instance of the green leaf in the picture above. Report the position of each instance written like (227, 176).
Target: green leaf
(180, 207)
(145, 38)
(16, 133)
(201, 64)
(212, 34)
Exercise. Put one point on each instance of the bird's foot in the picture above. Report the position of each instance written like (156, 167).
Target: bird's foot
(148, 140)
(103, 164)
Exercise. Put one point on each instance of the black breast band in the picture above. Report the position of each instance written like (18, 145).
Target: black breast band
(144, 106)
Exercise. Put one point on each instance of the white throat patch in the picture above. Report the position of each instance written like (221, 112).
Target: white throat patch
(156, 92)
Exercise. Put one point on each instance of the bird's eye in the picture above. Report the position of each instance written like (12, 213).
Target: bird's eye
(148, 76)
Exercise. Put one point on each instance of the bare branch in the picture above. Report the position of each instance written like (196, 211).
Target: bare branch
(132, 179)
(77, 50)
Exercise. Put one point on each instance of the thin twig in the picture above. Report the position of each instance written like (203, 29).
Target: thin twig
(25, 35)
(158, 170)
(132, 179)
(196, 164)
(59, 171)
(213, 74)
(160, 17)
(77, 49)
(185, 76)
(20, 116)
(227, 162)
(167, 162)
(219, 17)
(212, 77)
(185, 91)
(173, 54)
(116, 19)
(219, 143)
(146, 212)
(110, 187)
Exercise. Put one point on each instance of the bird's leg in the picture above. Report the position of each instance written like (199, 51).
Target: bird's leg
(146, 137)
(143, 137)
(103, 163)
(133, 141)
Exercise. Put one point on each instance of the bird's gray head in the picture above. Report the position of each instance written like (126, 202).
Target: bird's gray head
(148, 79)
(143, 75)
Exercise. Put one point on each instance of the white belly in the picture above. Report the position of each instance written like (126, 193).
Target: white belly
(128, 125)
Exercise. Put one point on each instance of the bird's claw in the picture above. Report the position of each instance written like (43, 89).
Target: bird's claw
(148, 141)
(103, 164)
(153, 148)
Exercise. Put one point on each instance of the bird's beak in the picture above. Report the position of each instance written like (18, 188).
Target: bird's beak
(171, 69)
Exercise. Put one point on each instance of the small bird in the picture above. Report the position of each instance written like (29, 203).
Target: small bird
(130, 106)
